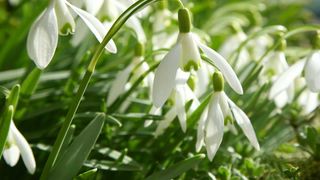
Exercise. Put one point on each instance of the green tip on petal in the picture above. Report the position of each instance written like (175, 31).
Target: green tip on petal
(218, 82)
(283, 44)
(191, 65)
(66, 29)
(184, 20)
(192, 81)
(139, 50)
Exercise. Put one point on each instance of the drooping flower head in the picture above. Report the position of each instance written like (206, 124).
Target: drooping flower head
(211, 124)
(16, 144)
(54, 20)
(185, 56)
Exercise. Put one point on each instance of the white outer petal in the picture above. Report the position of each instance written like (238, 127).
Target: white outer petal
(164, 124)
(312, 72)
(118, 85)
(25, 149)
(201, 130)
(309, 101)
(214, 127)
(165, 76)
(286, 79)
(180, 101)
(134, 24)
(93, 6)
(245, 124)
(80, 34)
(155, 111)
(11, 155)
(95, 26)
(43, 38)
(224, 67)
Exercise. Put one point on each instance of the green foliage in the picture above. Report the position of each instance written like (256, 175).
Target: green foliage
(125, 149)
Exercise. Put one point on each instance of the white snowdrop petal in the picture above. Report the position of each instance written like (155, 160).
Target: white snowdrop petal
(134, 24)
(11, 155)
(182, 77)
(214, 127)
(155, 111)
(43, 38)
(309, 101)
(201, 130)
(80, 34)
(312, 72)
(224, 67)
(118, 85)
(180, 101)
(164, 124)
(165, 75)
(95, 26)
(245, 124)
(93, 6)
(25, 149)
(286, 79)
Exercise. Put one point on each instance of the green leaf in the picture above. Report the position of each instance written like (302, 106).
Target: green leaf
(88, 175)
(121, 162)
(78, 151)
(137, 116)
(30, 83)
(192, 119)
(14, 96)
(4, 128)
(177, 169)
(112, 165)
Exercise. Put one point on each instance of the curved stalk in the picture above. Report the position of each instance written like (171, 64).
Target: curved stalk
(85, 81)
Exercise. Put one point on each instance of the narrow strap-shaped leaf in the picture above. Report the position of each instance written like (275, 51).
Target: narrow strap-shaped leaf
(78, 151)
(177, 169)
(7, 116)
(30, 83)
(87, 175)
(4, 128)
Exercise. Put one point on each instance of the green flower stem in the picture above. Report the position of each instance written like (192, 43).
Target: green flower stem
(302, 29)
(85, 81)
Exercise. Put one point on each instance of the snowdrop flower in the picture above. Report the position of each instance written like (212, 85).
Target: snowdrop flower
(307, 100)
(311, 67)
(258, 46)
(185, 55)
(110, 10)
(129, 75)
(211, 124)
(180, 96)
(232, 44)
(161, 38)
(273, 66)
(16, 144)
(56, 19)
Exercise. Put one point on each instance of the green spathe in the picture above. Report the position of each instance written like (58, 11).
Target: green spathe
(184, 20)
(218, 82)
